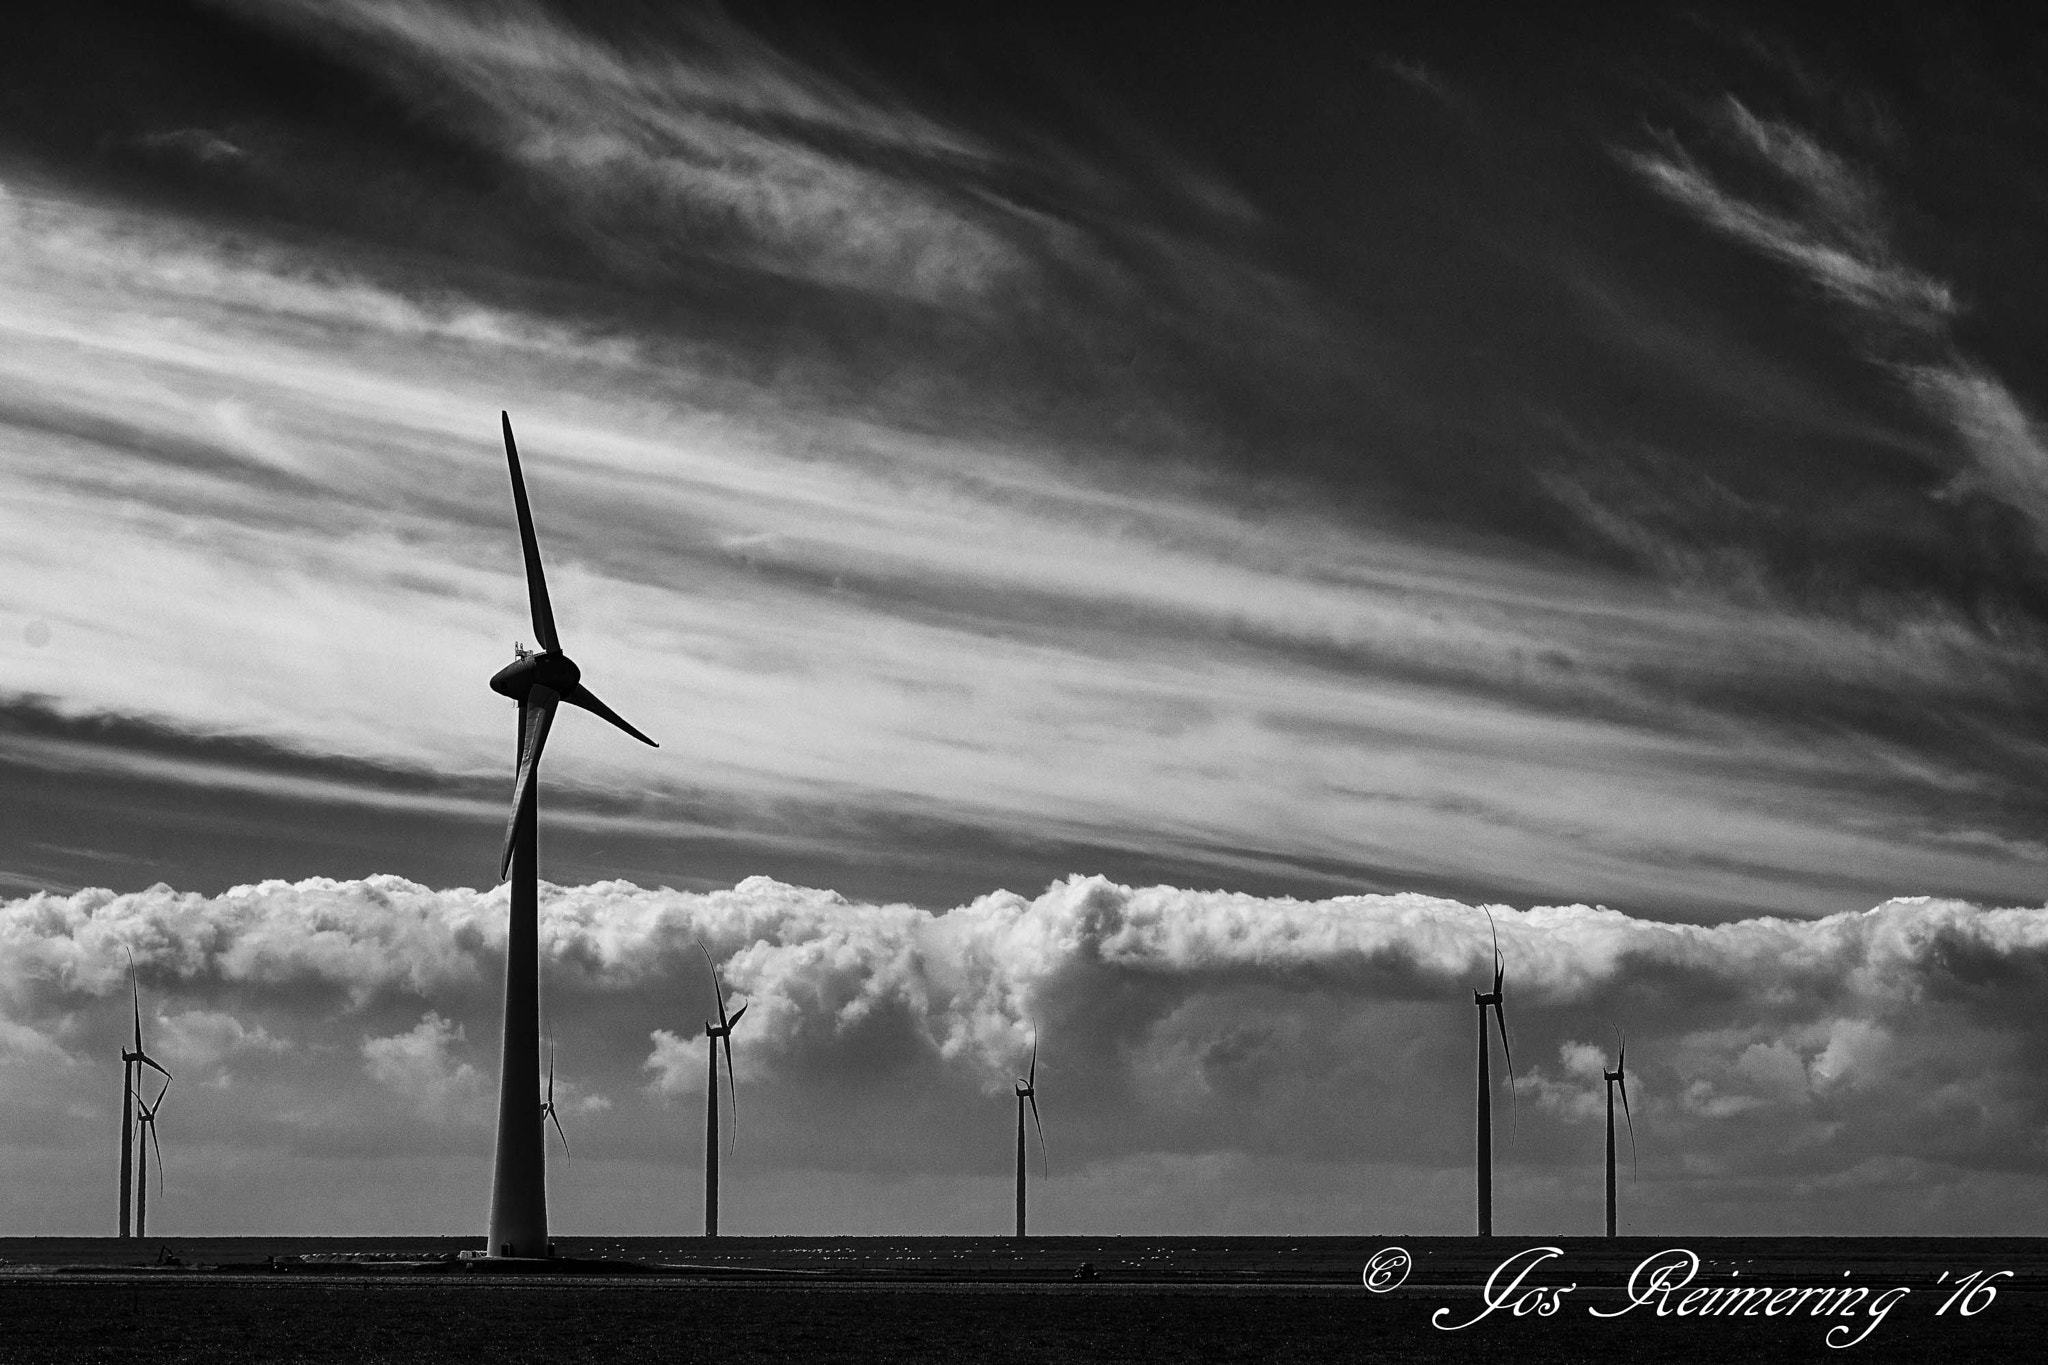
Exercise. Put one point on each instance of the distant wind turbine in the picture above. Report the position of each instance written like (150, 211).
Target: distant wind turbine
(132, 1063)
(713, 1034)
(147, 1119)
(1617, 1077)
(1027, 1091)
(547, 1106)
(1484, 1135)
(538, 682)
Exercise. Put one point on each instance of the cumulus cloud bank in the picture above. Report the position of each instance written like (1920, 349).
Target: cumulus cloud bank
(1778, 1066)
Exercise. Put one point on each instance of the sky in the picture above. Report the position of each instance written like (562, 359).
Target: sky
(1139, 537)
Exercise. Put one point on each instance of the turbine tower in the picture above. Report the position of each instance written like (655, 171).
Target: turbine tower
(1484, 1135)
(1617, 1077)
(1027, 1090)
(712, 1034)
(538, 681)
(147, 1119)
(132, 1063)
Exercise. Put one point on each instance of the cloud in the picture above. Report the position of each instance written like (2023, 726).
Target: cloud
(420, 1065)
(19, 1043)
(677, 1063)
(1830, 226)
(713, 147)
(921, 627)
(1168, 1021)
(209, 1038)
(2002, 438)
(220, 441)
(203, 145)
(273, 939)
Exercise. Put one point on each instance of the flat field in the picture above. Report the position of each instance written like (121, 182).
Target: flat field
(987, 1299)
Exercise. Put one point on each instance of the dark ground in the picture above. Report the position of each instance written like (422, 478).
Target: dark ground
(978, 1300)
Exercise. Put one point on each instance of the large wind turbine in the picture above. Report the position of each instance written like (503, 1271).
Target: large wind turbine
(1484, 1136)
(713, 1033)
(1027, 1090)
(1617, 1077)
(147, 1119)
(132, 1063)
(538, 681)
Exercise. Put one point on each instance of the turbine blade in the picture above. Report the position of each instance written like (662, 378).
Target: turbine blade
(734, 1022)
(579, 695)
(1621, 1059)
(1031, 1076)
(732, 1089)
(1500, 1021)
(135, 989)
(537, 713)
(717, 989)
(536, 581)
(1498, 969)
(146, 1060)
(1043, 1167)
(558, 1131)
(158, 1144)
(1631, 1125)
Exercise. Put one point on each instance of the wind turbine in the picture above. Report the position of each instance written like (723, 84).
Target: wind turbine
(1027, 1090)
(132, 1063)
(538, 681)
(1617, 1077)
(148, 1119)
(1484, 1134)
(547, 1106)
(712, 1034)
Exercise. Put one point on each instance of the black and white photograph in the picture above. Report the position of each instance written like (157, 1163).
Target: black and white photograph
(801, 681)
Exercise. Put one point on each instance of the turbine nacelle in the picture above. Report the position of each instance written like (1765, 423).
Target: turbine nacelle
(724, 1030)
(549, 669)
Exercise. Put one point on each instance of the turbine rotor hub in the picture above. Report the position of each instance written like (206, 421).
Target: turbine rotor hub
(555, 671)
